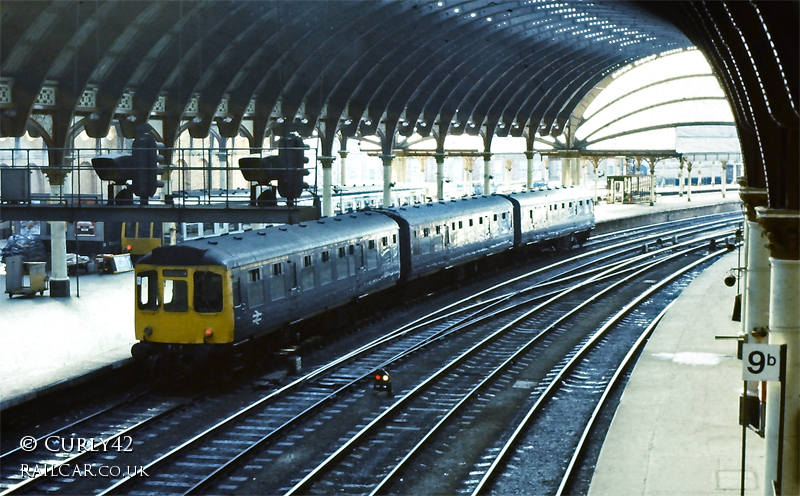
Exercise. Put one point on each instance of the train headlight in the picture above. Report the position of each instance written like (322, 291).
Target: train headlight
(209, 332)
(148, 331)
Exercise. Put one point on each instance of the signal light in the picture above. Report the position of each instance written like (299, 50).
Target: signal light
(383, 381)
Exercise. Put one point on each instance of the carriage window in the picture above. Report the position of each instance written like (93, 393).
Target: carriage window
(531, 213)
(208, 228)
(255, 289)
(460, 224)
(454, 226)
(158, 230)
(504, 215)
(192, 230)
(438, 229)
(130, 229)
(371, 244)
(426, 232)
(207, 292)
(480, 220)
(352, 249)
(277, 269)
(307, 261)
(326, 255)
(341, 252)
(495, 217)
(176, 296)
(147, 290)
(563, 205)
(470, 223)
(570, 204)
(394, 239)
(384, 241)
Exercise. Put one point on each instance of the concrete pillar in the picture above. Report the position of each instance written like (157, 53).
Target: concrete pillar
(387, 180)
(343, 173)
(327, 185)
(487, 173)
(59, 278)
(566, 171)
(529, 169)
(688, 181)
(468, 167)
(595, 163)
(724, 176)
(546, 172)
(680, 178)
(783, 230)
(439, 175)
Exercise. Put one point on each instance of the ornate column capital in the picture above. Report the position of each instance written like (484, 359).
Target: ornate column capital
(783, 230)
(752, 198)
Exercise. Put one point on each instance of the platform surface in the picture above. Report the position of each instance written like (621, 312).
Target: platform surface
(676, 429)
(48, 342)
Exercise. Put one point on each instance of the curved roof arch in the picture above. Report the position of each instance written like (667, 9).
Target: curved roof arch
(341, 67)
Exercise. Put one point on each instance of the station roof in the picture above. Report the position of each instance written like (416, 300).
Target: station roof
(386, 67)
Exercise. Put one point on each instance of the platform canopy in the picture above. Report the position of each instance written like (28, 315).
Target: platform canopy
(341, 68)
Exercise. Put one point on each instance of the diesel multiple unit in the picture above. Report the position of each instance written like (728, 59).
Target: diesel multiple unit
(210, 295)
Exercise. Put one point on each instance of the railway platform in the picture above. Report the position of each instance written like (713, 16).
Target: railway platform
(50, 344)
(676, 430)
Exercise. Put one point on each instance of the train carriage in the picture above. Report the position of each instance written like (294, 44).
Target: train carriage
(551, 216)
(227, 289)
(438, 235)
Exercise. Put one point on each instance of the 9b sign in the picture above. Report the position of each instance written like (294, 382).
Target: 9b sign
(761, 362)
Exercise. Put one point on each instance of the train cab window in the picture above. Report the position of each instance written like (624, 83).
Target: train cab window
(130, 229)
(147, 290)
(237, 295)
(144, 230)
(207, 292)
(176, 295)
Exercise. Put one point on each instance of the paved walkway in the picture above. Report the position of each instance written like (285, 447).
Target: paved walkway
(676, 429)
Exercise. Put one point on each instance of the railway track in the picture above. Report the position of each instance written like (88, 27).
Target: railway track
(271, 444)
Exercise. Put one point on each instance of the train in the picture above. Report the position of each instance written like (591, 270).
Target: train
(206, 298)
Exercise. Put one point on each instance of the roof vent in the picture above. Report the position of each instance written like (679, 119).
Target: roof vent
(237, 237)
(212, 242)
(262, 233)
(282, 229)
(337, 219)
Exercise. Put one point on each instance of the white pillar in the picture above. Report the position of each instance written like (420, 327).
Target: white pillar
(387, 180)
(546, 172)
(724, 176)
(487, 173)
(343, 173)
(782, 227)
(680, 179)
(652, 181)
(59, 279)
(529, 170)
(327, 185)
(439, 175)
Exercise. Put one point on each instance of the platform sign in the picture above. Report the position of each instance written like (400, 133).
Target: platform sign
(761, 362)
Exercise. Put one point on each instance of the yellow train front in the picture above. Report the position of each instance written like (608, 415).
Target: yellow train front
(184, 308)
